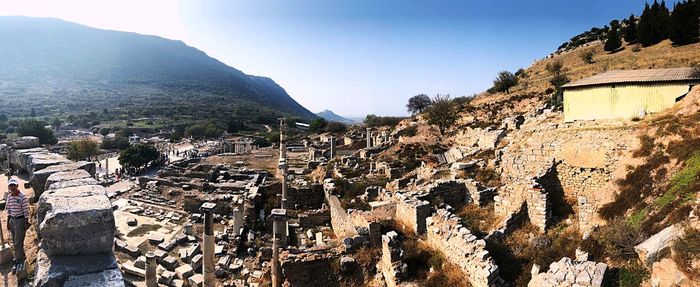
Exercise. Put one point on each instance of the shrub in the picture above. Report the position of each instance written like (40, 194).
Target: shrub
(408, 131)
(504, 81)
(632, 275)
(645, 148)
(619, 239)
(587, 56)
(687, 251)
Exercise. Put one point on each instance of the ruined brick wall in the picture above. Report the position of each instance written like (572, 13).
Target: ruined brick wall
(453, 193)
(308, 269)
(446, 234)
(308, 197)
(340, 220)
(390, 264)
(586, 161)
(314, 218)
(412, 214)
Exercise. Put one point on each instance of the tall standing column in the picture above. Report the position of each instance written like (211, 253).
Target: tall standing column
(279, 225)
(333, 143)
(151, 276)
(283, 161)
(208, 250)
(275, 270)
(369, 138)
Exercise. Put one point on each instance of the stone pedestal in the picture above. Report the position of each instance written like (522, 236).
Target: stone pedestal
(5, 254)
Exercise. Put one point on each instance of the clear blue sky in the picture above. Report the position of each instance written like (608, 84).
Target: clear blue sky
(357, 56)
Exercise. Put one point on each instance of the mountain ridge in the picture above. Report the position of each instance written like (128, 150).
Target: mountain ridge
(45, 56)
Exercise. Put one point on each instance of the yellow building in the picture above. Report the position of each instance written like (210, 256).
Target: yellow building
(625, 94)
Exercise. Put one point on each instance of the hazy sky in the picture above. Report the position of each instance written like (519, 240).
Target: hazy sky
(357, 56)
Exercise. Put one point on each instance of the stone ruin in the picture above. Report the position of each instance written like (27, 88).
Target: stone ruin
(567, 272)
(74, 222)
(446, 234)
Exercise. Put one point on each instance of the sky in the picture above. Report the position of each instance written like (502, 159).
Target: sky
(353, 57)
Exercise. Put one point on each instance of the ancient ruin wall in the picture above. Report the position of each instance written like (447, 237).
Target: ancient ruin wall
(340, 220)
(412, 214)
(74, 221)
(446, 234)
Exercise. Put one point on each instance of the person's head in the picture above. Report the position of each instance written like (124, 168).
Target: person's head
(13, 185)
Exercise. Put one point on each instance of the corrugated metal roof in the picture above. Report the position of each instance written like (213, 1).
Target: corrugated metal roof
(636, 76)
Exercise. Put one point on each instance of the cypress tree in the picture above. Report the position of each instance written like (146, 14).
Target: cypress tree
(684, 23)
(613, 43)
(629, 33)
(644, 27)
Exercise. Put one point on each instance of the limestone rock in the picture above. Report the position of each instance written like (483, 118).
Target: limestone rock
(39, 177)
(72, 270)
(66, 176)
(76, 220)
(24, 142)
(665, 273)
(652, 249)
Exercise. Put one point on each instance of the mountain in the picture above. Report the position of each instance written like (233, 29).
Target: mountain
(333, 117)
(57, 68)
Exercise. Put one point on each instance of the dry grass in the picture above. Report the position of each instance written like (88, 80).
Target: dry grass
(687, 253)
(662, 55)
(518, 251)
(479, 220)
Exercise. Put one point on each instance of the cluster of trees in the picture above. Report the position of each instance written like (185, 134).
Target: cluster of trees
(442, 111)
(322, 125)
(138, 156)
(37, 128)
(208, 129)
(119, 141)
(657, 23)
(372, 120)
(81, 149)
(503, 82)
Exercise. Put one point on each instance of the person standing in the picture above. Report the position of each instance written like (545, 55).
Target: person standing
(17, 221)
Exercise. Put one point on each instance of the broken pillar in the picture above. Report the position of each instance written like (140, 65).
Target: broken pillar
(151, 275)
(209, 240)
(333, 143)
(279, 225)
(5, 251)
(369, 138)
(275, 271)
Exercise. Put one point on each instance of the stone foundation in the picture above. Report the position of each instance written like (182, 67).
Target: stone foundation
(446, 234)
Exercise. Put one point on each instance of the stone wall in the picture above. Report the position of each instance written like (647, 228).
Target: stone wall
(583, 161)
(412, 213)
(566, 272)
(307, 197)
(75, 222)
(340, 220)
(308, 269)
(446, 234)
(314, 218)
(390, 265)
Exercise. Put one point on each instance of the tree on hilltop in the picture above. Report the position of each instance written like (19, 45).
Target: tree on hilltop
(504, 82)
(418, 103)
(442, 113)
(613, 43)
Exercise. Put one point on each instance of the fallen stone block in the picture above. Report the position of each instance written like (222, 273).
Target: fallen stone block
(183, 272)
(57, 270)
(39, 177)
(107, 278)
(170, 263)
(196, 280)
(76, 220)
(73, 183)
(66, 176)
(24, 142)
